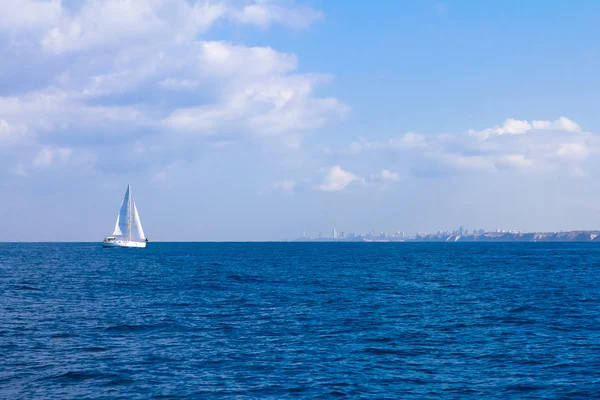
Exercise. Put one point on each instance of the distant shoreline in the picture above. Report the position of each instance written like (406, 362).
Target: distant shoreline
(571, 236)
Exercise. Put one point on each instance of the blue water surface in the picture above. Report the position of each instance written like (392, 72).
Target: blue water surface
(306, 320)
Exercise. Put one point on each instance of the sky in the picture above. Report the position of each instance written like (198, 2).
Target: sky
(263, 119)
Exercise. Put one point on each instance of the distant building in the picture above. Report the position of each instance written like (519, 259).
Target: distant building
(334, 234)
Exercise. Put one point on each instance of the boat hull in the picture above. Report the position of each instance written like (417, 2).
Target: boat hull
(124, 243)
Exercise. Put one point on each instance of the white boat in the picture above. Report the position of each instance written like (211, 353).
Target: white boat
(128, 229)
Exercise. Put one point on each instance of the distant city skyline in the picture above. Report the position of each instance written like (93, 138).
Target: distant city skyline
(335, 234)
(459, 235)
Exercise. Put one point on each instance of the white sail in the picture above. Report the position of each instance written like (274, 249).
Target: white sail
(128, 230)
(137, 232)
(117, 231)
(123, 226)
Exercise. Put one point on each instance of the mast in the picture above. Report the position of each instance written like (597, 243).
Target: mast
(130, 212)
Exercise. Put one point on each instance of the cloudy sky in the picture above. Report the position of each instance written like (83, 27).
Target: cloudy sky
(261, 119)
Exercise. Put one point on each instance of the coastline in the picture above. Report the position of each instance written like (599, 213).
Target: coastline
(570, 236)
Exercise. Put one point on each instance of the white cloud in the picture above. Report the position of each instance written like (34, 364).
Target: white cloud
(515, 161)
(510, 127)
(222, 59)
(29, 14)
(577, 172)
(515, 146)
(518, 127)
(44, 158)
(265, 13)
(409, 140)
(114, 23)
(162, 179)
(573, 151)
(48, 156)
(382, 180)
(561, 124)
(337, 179)
(565, 124)
(10, 134)
(514, 127)
(65, 111)
(287, 186)
(541, 146)
(105, 23)
(178, 84)
(117, 69)
(467, 162)
(261, 99)
(387, 175)
(253, 89)
(542, 125)
(334, 179)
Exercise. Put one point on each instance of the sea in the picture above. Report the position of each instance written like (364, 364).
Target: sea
(300, 320)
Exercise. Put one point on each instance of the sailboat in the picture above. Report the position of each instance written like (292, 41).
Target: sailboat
(128, 229)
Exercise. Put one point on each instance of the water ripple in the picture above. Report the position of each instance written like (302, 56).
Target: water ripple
(357, 320)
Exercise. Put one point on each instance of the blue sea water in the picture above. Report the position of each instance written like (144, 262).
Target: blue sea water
(305, 320)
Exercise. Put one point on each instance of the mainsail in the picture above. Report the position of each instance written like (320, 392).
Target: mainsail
(122, 227)
(128, 221)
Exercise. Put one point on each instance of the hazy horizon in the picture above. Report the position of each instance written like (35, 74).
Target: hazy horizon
(254, 120)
